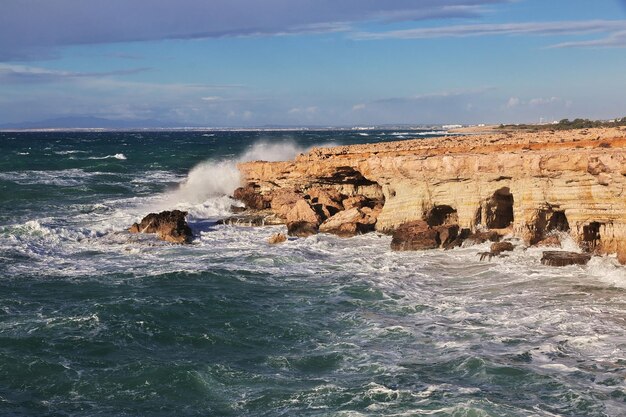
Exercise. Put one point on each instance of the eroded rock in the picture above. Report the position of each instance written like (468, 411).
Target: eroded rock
(559, 258)
(499, 247)
(283, 201)
(348, 223)
(169, 226)
(303, 212)
(277, 238)
(302, 229)
(415, 235)
(250, 196)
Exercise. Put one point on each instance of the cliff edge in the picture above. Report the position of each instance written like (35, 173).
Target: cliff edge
(531, 184)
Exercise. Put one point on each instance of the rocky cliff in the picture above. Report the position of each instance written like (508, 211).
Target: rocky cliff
(529, 183)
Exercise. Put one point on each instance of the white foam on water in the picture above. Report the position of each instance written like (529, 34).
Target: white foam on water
(70, 152)
(65, 178)
(212, 180)
(119, 156)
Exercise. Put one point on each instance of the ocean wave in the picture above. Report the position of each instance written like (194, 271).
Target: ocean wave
(63, 178)
(70, 152)
(215, 179)
(119, 156)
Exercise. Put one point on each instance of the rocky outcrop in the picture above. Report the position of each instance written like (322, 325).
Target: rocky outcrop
(169, 226)
(499, 247)
(558, 258)
(530, 185)
(415, 235)
(348, 223)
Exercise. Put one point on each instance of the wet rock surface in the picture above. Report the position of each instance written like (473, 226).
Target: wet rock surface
(558, 258)
(170, 226)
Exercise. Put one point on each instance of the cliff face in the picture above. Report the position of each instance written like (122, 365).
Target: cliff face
(535, 183)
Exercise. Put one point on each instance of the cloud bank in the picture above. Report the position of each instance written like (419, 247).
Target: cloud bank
(30, 28)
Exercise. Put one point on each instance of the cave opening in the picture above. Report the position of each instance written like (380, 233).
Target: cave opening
(440, 215)
(557, 222)
(591, 236)
(500, 209)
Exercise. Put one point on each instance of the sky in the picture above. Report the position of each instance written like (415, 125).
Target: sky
(244, 63)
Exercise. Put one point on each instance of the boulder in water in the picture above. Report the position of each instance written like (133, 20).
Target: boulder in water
(169, 226)
(277, 238)
(558, 258)
(499, 247)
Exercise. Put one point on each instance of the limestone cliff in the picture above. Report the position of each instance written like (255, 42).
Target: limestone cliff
(533, 183)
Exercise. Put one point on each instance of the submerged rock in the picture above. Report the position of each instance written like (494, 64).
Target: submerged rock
(558, 258)
(277, 238)
(169, 226)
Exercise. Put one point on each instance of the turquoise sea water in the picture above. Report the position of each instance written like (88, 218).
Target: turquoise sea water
(96, 322)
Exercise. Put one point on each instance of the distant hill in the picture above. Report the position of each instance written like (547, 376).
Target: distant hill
(87, 122)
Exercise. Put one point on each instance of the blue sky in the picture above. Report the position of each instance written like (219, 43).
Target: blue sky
(312, 62)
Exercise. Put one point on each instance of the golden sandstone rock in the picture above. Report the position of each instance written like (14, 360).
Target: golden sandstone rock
(528, 183)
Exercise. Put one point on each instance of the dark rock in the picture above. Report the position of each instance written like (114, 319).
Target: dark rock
(558, 258)
(499, 247)
(170, 226)
(447, 233)
(302, 229)
(252, 220)
(458, 241)
(481, 237)
(415, 235)
(252, 198)
(325, 201)
(237, 209)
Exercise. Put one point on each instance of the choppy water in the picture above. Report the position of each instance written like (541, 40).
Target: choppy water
(96, 322)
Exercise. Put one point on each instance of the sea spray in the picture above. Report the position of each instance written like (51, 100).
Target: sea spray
(205, 191)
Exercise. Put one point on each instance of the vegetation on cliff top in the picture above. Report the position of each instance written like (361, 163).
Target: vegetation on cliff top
(566, 124)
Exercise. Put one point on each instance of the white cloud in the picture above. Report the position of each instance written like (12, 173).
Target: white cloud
(544, 101)
(525, 28)
(212, 98)
(358, 107)
(513, 102)
(614, 40)
(30, 28)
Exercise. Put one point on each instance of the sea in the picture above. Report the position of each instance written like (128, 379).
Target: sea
(97, 322)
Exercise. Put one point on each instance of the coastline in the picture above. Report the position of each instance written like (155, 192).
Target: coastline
(548, 181)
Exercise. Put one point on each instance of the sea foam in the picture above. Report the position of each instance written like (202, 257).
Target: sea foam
(212, 180)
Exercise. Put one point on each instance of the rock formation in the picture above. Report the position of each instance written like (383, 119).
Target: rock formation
(277, 238)
(528, 184)
(169, 226)
(560, 258)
